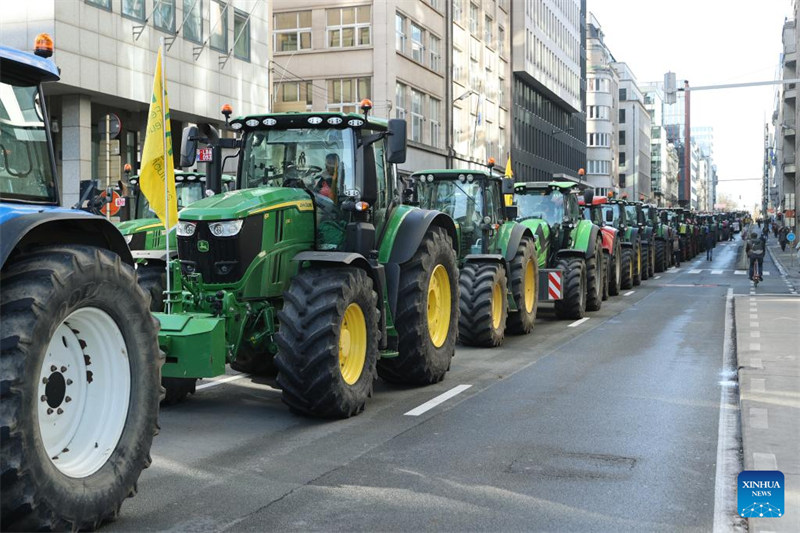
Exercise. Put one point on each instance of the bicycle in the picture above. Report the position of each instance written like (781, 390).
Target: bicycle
(757, 276)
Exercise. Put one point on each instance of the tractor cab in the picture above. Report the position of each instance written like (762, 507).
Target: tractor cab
(594, 211)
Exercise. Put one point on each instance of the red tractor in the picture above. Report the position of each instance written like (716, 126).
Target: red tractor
(612, 245)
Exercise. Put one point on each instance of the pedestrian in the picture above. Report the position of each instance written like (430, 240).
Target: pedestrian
(676, 248)
(782, 237)
(709, 244)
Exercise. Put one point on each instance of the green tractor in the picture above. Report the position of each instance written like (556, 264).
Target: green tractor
(497, 257)
(569, 248)
(616, 213)
(635, 212)
(146, 236)
(662, 234)
(314, 265)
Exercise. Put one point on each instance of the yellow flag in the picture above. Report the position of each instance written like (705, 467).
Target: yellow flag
(154, 171)
(509, 172)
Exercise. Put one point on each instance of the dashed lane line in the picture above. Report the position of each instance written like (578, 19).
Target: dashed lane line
(579, 322)
(430, 404)
(628, 293)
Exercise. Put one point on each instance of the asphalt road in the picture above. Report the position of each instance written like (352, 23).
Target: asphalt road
(610, 425)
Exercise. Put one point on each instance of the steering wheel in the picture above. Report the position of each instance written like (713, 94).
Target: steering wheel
(312, 169)
(296, 183)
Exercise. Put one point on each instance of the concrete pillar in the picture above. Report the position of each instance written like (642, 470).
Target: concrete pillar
(76, 145)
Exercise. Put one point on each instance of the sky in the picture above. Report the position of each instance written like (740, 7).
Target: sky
(708, 42)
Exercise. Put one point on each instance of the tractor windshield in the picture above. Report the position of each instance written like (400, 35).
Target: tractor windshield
(25, 170)
(613, 214)
(550, 206)
(322, 159)
(462, 201)
(631, 214)
(593, 214)
(188, 193)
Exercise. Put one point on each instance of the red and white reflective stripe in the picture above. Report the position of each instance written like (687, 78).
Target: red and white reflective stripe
(554, 285)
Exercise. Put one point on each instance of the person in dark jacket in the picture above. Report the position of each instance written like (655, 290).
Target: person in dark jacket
(709, 237)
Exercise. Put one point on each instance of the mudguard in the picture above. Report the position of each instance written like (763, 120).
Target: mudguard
(35, 227)
(494, 258)
(585, 237)
(509, 245)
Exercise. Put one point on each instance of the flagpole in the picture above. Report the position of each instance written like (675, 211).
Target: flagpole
(168, 306)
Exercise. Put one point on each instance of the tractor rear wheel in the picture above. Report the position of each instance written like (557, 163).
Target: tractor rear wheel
(80, 388)
(606, 274)
(524, 288)
(153, 279)
(595, 268)
(483, 307)
(661, 256)
(615, 273)
(651, 260)
(328, 342)
(638, 265)
(645, 262)
(626, 263)
(427, 313)
(573, 304)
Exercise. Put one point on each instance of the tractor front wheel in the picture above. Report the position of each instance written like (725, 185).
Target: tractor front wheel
(483, 307)
(427, 313)
(153, 279)
(627, 267)
(524, 288)
(328, 342)
(637, 265)
(573, 284)
(661, 256)
(595, 267)
(615, 273)
(81, 371)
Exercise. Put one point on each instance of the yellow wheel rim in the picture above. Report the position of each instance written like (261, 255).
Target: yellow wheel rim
(439, 305)
(352, 344)
(497, 305)
(639, 262)
(530, 285)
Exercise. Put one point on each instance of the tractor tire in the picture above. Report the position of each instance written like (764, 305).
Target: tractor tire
(595, 275)
(426, 327)
(524, 288)
(651, 260)
(638, 266)
(483, 304)
(645, 262)
(661, 256)
(177, 389)
(573, 287)
(249, 361)
(80, 388)
(606, 274)
(615, 274)
(328, 342)
(153, 279)
(626, 264)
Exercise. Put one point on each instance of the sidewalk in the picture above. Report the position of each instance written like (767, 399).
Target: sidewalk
(768, 353)
(787, 261)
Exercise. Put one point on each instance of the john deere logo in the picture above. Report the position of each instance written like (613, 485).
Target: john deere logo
(202, 246)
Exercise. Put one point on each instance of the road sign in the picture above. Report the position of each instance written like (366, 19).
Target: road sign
(115, 126)
(114, 205)
(790, 237)
(204, 155)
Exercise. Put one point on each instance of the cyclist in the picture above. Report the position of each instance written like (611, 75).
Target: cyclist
(755, 251)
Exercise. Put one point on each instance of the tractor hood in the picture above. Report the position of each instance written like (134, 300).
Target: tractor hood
(240, 204)
(538, 226)
(136, 226)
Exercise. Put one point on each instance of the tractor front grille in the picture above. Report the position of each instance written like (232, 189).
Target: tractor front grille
(227, 258)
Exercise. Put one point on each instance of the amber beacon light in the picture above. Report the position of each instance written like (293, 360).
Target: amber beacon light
(43, 45)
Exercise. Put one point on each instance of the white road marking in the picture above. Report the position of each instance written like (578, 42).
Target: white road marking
(753, 316)
(695, 271)
(756, 362)
(716, 271)
(657, 277)
(675, 271)
(740, 272)
(754, 325)
(755, 334)
(221, 381)
(430, 404)
(759, 418)
(755, 346)
(764, 461)
(728, 466)
(579, 322)
(628, 293)
(757, 384)
(766, 272)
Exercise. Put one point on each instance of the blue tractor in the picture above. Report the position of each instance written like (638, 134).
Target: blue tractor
(80, 365)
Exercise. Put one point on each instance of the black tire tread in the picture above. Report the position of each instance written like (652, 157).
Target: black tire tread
(521, 322)
(573, 289)
(476, 282)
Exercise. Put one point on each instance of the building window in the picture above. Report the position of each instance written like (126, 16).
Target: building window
(400, 100)
(436, 4)
(501, 40)
(622, 181)
(400, 31)
(458, 11)
(622, 159)
(295, 92)
(488, 31)
(417, 43)
(349, 26)
(623, 95)
(622, 116)
(622, 138)
(434, 112)
(345, 95)
(218, 22)
(417, 99)
(105, 4)
(434, 46)
(132, 9)
(193, 20)
(474, 22)
(459, 72)
(293, 31)
(164, 16)
(241, 35)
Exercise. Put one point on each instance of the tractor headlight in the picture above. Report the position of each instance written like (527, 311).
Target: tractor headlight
(128, 238)
(228, 228)
(185, 229)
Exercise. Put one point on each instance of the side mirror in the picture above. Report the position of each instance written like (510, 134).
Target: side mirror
(588, 196)
(512, 212)
(396, 149)
(188, 146)
(508, 186)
